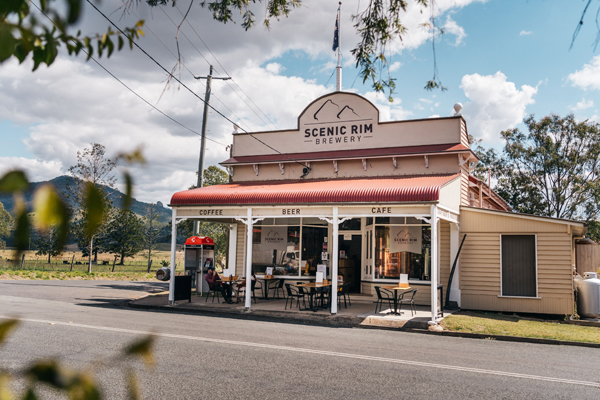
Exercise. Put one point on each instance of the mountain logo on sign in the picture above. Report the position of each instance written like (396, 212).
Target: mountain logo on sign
(405, 233)
(328, 109)
(347, 108)
(322, 108)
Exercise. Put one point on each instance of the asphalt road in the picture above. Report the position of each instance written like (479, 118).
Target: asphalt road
(200, 357)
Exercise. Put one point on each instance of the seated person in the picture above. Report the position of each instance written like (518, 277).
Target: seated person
(241, 287)
(214, 283)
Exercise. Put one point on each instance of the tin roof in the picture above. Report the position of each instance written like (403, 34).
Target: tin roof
(358, 153)
(374, 190)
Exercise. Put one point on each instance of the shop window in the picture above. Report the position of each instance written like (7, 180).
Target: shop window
(350, 225)
(519, 266)
(277, 247)
(314, 242)
(403, 250)
(313, 221)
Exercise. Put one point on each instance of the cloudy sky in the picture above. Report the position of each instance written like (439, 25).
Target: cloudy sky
(501, 60)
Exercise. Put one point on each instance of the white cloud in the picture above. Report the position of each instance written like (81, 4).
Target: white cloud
(416, 17)
(388, 111)
(525, 33)
(275, 68)
(495, 105)
(588, 77)
(36, 170)
(71, 105)
(453, 28)
(395, 66)
(582, 105)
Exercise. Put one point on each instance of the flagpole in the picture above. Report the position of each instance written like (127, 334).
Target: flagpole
(338, 69)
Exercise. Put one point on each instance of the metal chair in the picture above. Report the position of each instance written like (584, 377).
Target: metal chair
(241, 292)
(276, 286)
(294, 292)
(410, 301)
(215, 292)
(344, 291)
(383, 295)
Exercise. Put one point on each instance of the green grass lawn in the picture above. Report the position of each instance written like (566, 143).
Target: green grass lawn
(497, 324)
(76, 275)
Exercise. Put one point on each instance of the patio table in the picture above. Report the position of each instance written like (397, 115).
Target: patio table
(313, 286)
(396, 289)
(266, 286)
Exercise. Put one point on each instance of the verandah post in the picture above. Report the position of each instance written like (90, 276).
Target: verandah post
(248, 300)
(173, 249)
(434, 265)
(334, 261)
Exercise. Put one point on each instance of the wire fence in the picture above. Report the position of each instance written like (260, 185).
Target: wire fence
(67, 264)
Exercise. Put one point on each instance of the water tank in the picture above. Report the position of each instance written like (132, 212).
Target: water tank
(588, 297)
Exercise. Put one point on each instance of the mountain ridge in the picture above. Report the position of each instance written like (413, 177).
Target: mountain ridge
(61, 183)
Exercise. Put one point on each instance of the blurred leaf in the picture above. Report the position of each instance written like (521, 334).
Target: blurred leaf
(132, 157)
(13, 181)
(49, 372)
(51, 210)
(132, 386)
(30, 394)
(22, 226)
(5, 393)
(83, 387)
(7, 6)
(142, 348)
(128, 190)
(74, 10)
(6, 327)
(95, 208)
(7, 42)
(48, 207)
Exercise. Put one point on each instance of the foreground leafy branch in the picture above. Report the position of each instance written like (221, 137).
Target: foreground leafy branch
(23, 33)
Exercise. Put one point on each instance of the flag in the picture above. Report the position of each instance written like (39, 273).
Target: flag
(336, 33)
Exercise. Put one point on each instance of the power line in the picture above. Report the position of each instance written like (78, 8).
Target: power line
(187, 88)
(209, 63)
(130, 89)
(228, 74)
(187, 69)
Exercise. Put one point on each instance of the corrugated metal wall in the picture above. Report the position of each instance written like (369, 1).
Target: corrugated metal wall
(480, 264)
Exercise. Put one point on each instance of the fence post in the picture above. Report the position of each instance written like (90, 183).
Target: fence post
(149, 265)
(72, 260)
(22, 259)
(114, 262)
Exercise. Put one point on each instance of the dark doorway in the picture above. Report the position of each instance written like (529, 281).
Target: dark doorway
(350, 248)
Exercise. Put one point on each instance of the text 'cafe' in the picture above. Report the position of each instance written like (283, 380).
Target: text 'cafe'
(373, 200)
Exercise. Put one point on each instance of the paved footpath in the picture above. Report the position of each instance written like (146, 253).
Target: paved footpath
(212, 357)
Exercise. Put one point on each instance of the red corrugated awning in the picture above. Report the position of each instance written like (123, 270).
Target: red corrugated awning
(375, 190)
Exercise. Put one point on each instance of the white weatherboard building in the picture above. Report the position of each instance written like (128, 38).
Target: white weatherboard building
(379, 199)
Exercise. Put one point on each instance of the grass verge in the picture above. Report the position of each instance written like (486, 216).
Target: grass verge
(497, 324)
(76, 275)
